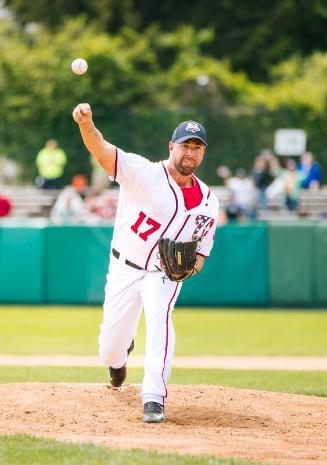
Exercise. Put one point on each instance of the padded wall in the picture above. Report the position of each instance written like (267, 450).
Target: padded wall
(292, 251)
(22, 264)
(236, 273)
(77, 263)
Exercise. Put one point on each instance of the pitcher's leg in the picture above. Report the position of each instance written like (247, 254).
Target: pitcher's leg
(121, 312)
(159, 298)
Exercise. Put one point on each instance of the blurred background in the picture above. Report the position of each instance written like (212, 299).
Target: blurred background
(253, 73)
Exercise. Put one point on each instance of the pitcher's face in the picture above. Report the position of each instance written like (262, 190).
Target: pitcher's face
(187, 156)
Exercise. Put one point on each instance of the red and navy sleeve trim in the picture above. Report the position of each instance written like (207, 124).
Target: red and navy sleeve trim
(116, 162)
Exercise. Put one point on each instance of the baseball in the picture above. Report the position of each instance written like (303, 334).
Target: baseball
(79, 66)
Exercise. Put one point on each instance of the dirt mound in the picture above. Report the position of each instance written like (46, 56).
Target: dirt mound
(227, 422)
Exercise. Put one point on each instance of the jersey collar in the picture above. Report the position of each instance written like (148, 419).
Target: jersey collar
(204, 189)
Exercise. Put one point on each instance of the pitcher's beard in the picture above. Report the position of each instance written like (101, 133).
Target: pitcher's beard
(185, 170)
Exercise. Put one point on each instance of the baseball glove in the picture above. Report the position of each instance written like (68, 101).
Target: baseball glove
(178, 259)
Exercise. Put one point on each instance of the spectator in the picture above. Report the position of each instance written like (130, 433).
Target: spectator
(291, 179)
(70, 206)
(79, 182)
(50, 162)
(9, 171)
(104, 205)
(224, 173)
(99, 178)
(312, 175)
(263, 174)
(5, 206)
(243, 195)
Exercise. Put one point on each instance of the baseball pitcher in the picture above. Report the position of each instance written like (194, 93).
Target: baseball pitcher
(164, 230)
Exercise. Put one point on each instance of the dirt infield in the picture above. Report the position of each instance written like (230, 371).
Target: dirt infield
(227, 422)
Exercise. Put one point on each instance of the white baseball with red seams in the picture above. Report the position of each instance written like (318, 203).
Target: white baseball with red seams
(79, 66)
(151, 205)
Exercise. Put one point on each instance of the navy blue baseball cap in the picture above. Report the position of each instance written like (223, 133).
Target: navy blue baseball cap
(189, 130)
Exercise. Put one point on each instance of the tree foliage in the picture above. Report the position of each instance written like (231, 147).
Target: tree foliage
(141, 84)
(253, 36)
(298, 84)
(127, 71)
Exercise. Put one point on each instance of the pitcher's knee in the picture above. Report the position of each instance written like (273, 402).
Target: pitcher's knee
(110, 357)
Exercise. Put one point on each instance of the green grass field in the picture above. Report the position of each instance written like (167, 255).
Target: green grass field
(68, 330)
(297, 382)
(74, 330)
(26, 450)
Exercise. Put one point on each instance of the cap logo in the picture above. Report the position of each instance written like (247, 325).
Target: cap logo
(192, 127)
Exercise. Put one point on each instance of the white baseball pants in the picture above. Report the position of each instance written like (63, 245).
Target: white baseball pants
(127, 292)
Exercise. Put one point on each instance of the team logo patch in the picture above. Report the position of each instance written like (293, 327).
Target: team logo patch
(192, 127)
(200, 221)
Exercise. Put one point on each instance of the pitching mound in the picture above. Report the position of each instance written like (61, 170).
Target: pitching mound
(266, 426)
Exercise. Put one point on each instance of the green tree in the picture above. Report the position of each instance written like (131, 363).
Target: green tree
(126, 74)
(298, 84)
(140, 86)
(253, 36)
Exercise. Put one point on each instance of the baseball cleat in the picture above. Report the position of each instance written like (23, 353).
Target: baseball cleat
(118, 375)
(153, 412)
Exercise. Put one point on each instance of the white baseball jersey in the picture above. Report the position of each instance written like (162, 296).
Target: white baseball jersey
(151, 205)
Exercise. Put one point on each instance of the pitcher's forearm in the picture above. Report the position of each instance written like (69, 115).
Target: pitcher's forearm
(102, 150)
(93, 140)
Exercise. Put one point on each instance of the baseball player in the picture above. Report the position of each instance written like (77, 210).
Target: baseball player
(164, 230)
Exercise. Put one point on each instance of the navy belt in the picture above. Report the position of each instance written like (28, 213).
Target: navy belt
(116, 254)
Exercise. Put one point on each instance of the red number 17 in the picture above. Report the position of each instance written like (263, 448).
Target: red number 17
(154, 226)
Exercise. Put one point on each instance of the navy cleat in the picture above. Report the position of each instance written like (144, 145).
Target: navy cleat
(153, 412)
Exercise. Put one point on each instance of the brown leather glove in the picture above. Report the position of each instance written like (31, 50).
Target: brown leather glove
(178, 259)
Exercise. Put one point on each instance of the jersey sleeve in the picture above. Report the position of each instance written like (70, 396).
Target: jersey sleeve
(208, 235)
(130, 169)
(206, 243)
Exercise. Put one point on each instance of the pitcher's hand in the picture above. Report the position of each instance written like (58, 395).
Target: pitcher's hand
(82, 113)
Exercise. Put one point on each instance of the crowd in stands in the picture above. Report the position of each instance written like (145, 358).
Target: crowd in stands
(269, 178)
(78, 204)
(248, 193)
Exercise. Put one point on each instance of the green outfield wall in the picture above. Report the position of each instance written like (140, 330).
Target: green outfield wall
(76, 264)
(256, 264)
(22, 264)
